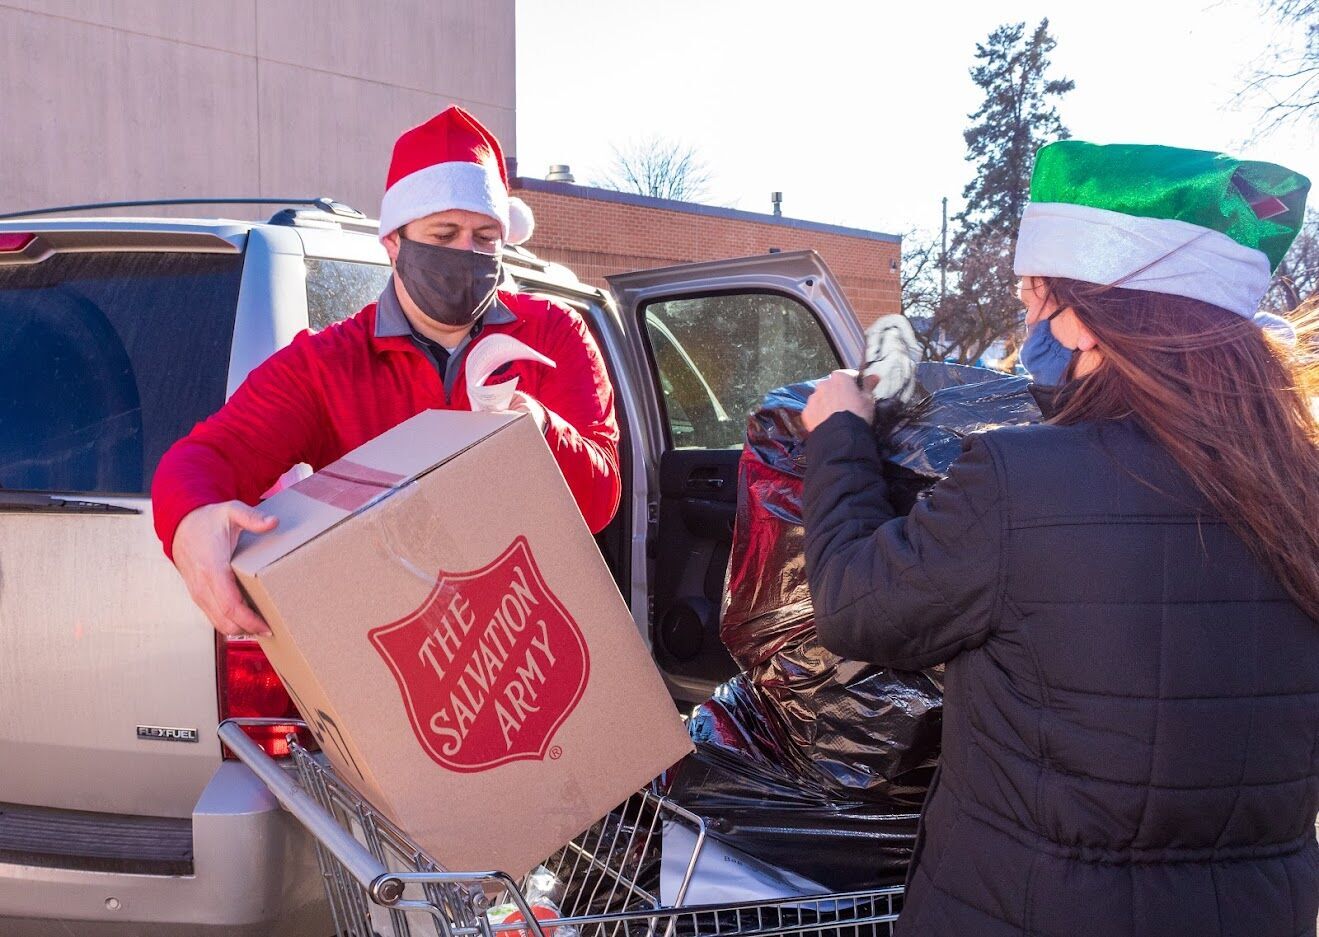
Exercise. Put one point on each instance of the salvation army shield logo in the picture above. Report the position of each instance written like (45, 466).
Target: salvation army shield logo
(489, 666)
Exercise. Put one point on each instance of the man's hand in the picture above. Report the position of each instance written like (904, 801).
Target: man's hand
(204, 543)
(837, 393)
(523, 402)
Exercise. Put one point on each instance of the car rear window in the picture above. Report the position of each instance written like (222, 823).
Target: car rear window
(105, 360)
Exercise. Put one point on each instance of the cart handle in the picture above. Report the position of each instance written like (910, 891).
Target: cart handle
(384, 886)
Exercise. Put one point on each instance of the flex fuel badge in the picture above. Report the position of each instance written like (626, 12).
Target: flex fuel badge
(166, 734)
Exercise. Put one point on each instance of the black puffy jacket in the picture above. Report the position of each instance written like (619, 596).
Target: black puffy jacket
(1131, 719)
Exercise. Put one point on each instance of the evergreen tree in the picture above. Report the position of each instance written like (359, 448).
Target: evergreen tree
(1017, 117)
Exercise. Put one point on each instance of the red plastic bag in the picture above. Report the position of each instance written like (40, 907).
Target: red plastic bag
(805, 760)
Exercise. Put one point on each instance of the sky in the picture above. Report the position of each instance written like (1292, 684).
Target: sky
(854, 109)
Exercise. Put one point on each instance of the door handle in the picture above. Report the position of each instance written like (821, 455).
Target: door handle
(704, 480)
(704, 484)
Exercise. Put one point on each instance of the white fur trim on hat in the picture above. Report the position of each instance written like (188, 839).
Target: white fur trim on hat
(521, 223)
(1160, 255)
(470, 186)
(1277, 326)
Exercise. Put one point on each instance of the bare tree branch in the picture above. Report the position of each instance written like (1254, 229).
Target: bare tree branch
(659, 168)
(1297, 278)
(1289, 79)
(972, 316)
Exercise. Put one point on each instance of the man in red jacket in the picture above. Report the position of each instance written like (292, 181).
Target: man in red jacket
(444, 219)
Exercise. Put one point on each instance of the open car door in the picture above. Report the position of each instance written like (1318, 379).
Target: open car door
(716, 338)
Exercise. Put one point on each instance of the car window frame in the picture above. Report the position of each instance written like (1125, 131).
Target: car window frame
(666, 426)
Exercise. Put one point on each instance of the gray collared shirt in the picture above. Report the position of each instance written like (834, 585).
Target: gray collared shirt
(390, 322)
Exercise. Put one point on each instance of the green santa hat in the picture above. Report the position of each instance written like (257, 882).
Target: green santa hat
(1183, 222)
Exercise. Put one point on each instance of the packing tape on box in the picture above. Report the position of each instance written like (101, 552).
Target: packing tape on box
(405, 551)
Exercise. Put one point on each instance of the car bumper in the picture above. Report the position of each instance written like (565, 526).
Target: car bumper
(254, 872)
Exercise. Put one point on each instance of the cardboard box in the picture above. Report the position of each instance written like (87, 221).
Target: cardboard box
(444, 620)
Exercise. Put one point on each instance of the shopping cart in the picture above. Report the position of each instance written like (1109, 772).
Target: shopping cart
(605, 883)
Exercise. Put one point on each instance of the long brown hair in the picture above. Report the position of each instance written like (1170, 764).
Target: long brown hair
(1235, 408)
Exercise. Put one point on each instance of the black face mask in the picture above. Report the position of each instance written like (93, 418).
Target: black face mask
(453, 287)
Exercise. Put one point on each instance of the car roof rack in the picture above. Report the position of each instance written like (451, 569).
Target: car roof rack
(526, 257)
(327, 205)
(302, 218)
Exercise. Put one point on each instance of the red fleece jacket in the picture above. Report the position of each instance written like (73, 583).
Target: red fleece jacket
(328, 393)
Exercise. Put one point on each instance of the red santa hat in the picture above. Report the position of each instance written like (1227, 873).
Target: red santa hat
(451, 161)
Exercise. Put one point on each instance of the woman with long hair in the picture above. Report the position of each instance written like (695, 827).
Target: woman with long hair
(1126, 595)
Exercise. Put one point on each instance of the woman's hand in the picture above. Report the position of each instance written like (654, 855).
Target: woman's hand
(837, 393)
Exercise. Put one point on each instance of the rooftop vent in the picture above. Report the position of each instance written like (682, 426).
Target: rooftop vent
(560, 172)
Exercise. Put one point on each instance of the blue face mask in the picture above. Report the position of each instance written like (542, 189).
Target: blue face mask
(1045, 357)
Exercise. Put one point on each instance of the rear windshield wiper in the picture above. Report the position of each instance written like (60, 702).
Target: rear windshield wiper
(35, 503)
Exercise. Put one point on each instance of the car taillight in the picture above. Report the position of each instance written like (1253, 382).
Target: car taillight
(11, 241)
(249, 687)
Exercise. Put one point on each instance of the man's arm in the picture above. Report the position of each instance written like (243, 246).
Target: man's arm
(580, 427)
(272, 422)
(206, 483)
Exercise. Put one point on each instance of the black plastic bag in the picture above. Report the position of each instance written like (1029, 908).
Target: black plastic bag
(805, 760)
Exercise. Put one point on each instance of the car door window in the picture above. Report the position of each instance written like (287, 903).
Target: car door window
(717, 356)
(337, 289)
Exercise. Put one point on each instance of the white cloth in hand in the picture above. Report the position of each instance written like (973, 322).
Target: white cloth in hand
(891, 356)
(488, 356)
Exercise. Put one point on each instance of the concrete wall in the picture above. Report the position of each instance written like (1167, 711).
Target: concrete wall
(596, 233)
(123, 99)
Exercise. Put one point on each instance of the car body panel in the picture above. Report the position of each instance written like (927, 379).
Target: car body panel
(340, 244)
(121, 646)
(131, 234)
(272, 302)
(801, 275)
(255, 874)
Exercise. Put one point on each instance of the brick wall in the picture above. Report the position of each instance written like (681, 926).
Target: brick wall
(596, 233)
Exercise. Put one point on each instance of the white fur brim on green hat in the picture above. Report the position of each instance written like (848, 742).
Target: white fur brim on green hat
(1183, 222)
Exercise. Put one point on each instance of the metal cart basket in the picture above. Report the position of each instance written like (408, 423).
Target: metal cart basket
(605, 883)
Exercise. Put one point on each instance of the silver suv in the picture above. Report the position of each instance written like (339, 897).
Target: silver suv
(119, 812)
